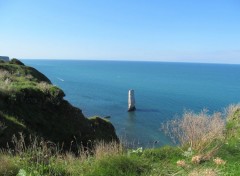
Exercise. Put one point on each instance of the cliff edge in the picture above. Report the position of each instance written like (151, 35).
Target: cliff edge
(32, 105)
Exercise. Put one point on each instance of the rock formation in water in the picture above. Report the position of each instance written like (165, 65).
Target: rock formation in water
(131, 101)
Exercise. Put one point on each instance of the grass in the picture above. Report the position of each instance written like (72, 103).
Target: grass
(45, 158)
(42, 158)
(9, 165)
(14, 78)
(13, 120)
(149, 162)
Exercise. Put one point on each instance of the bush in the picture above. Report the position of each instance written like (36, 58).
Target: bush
(15, 61)
(196, 131)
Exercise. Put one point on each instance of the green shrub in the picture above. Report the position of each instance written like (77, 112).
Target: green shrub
(15, 61)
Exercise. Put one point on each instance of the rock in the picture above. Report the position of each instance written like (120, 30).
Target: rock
(131, 101)
(4, 58)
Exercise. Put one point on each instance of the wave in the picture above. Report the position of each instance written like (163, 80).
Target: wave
(60, 79)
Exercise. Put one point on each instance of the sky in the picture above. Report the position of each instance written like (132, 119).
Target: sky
(206, 31)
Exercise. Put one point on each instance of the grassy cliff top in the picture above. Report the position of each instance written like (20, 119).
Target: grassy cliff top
(15, 77)
(31, 104)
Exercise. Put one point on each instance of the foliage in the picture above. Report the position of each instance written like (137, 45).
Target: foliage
(15, 61)
(197, 131)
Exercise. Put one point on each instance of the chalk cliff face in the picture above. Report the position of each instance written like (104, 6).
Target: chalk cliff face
(30, 104)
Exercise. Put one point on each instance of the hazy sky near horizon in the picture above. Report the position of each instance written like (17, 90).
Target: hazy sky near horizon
(154, 30)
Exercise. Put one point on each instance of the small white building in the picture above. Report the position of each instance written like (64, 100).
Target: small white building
(4, 58)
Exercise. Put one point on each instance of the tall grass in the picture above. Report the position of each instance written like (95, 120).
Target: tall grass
(40, 157)
(231, 110)
(103, 149)
(4, 74)
(233, 121)
(5, 80)
(201, 132)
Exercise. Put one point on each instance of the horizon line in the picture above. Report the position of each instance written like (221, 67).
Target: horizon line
(129, 60)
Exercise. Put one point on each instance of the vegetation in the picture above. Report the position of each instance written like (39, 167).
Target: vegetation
(220, 157)
(31, 106)
(198, 132)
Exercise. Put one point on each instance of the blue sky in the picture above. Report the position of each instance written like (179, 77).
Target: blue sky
(151, 30)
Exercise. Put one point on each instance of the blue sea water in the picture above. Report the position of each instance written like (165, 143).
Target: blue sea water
(162, 91)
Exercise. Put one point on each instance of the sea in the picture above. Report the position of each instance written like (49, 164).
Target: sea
(163, 91)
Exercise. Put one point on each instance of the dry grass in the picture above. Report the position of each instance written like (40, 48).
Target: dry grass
(5, 80)
(4, 74)
(44, 86)
(40, 154)
(197, 131)
(233, 122)
(196, 159)
(204, 172)
(219, 161)
(42, 149)
(182, 163)
(231, 110)
(103, 149)
(38, 150)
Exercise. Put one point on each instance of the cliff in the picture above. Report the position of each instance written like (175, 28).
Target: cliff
(32, 105)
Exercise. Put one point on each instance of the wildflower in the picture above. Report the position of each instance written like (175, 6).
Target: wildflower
(196, 159)
(181, 163)
(219, 161)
